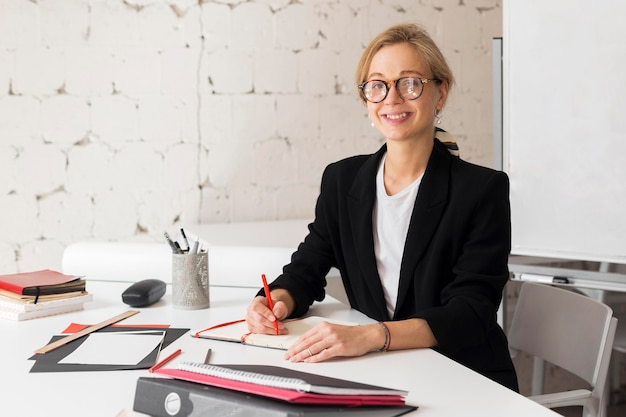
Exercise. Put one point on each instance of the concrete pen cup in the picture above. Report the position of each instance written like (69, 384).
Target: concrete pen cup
(190, 281)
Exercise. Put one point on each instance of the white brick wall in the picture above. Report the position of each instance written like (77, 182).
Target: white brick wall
(122, 119)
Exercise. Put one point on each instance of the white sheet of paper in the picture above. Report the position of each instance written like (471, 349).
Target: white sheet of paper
(115, 348)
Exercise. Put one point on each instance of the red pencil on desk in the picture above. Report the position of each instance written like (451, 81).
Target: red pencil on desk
(164, 361)
(269, 300)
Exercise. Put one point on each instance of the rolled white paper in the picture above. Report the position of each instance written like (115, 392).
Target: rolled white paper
(234, 266)
(118, 261)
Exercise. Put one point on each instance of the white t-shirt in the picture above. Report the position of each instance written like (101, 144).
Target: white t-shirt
(390, 219)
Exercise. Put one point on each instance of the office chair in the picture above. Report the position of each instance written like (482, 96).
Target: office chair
(571, 331)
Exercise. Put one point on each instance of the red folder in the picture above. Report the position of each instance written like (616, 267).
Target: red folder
(288, 395)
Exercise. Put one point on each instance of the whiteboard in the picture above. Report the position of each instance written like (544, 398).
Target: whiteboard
(564, 127)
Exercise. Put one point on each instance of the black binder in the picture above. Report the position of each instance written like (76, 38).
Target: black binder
(162, 397)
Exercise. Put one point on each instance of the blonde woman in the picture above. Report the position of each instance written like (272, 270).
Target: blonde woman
(421, 238)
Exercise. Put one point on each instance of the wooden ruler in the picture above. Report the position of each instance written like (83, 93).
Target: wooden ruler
(85, 331)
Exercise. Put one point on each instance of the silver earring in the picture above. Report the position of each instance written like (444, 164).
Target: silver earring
(370, 119)
(438, 115)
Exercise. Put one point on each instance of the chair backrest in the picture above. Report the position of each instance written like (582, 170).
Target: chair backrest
(565, 328)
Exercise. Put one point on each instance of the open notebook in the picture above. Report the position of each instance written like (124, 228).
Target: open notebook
(237, 331)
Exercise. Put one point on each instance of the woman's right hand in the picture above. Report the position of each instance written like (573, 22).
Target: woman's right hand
(260, 318)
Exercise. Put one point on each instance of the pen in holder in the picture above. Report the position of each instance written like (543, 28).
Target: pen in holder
(190, 280)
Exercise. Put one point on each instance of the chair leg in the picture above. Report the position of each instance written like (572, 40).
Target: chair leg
(538, 376)
(614, 375)
(605, 400)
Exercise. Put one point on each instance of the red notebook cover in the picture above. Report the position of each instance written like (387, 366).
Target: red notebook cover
(17, 283)
(288, 395)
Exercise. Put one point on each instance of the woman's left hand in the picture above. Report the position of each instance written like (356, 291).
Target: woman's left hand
(327, 340)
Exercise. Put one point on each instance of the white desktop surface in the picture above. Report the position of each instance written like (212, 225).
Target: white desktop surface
(437, 385)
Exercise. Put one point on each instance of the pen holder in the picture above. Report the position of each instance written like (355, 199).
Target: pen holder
(190, 281)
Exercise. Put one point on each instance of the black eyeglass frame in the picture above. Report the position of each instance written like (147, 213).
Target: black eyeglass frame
(395, 83)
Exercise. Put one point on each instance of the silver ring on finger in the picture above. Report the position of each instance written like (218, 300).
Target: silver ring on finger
(309, 350)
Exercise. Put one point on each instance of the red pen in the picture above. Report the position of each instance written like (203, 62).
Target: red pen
(164, 361)
(269, 300)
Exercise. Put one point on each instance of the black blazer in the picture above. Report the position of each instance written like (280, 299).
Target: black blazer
(454, 266)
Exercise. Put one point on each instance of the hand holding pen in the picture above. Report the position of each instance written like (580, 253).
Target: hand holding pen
(270, 303)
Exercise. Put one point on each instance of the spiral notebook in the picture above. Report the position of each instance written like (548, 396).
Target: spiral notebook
(286, 384)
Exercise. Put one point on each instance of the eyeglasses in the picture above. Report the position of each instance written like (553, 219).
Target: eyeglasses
(408, 88)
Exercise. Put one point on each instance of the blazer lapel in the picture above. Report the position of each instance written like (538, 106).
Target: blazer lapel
(360, 202)
(429, 206)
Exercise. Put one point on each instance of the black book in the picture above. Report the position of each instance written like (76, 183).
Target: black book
(161, 397)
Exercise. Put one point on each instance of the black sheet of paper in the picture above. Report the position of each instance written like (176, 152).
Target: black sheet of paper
(49, 362)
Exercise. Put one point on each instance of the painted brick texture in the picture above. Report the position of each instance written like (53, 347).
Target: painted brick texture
(122, 119)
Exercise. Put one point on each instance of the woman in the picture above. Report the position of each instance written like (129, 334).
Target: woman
(420, 237)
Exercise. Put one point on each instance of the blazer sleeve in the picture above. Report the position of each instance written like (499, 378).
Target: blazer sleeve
(471, 295)
(305, 275)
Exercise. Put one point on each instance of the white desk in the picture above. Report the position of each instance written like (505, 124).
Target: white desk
(439, 386)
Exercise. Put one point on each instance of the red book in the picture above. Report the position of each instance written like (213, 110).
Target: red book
(41, 283)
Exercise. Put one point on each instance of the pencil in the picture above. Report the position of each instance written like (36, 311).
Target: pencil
(269, 300)
(164, 361)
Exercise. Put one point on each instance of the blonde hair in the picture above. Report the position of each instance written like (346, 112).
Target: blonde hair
(414, 36)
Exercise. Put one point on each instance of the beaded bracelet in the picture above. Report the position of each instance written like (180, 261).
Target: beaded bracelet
(387, 337)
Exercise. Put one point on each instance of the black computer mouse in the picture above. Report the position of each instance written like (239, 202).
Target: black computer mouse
(144, 293)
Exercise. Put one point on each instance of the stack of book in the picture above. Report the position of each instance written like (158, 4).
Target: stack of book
(29, 295)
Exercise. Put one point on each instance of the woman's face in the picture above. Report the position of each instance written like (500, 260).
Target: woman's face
(401, 119)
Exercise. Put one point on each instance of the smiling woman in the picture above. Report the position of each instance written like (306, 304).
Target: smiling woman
(404, 79)
(421, 237)
(404, 115)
